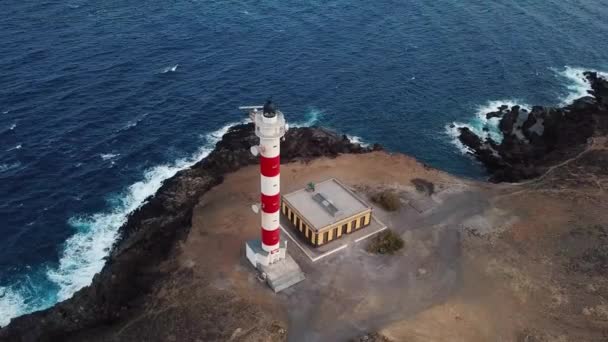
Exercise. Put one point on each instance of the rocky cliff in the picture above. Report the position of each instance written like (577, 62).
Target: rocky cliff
(153, 230)
(535, 140)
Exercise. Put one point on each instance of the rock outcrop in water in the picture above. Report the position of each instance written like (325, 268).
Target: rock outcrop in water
(153, 230)
(536, 140)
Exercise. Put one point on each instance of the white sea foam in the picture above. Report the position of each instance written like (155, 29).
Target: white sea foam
(313, 116)
(577, 84)
(11, 305)
(480, 121)
(452, 131)
(170, 69)
(108, 156)
(357, 140)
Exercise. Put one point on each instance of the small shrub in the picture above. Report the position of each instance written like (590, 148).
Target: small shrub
(388, 200)
(386, 242)
(422, 185)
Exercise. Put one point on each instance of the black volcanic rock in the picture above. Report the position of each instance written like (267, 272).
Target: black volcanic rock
(152, 231)
(497, 114)
(547, 135)
(470, 139)
(508, 120)
(599, 88)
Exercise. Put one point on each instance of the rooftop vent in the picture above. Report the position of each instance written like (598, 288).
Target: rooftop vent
(326, 204)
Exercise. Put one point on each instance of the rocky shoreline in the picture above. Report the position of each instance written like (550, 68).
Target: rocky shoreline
(535, 140)
(153, 230)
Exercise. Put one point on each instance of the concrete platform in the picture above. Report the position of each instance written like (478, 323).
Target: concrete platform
(317, 253)
(283, 274)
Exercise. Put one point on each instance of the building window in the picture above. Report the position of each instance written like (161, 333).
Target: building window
(362, 223)
(344, 226)
(325, 237)
(335, 232)
(354, 224)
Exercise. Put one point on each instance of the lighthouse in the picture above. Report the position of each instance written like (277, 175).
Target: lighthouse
(269, 253)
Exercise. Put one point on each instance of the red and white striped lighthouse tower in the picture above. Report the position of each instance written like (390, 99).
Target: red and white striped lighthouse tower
(270, 127)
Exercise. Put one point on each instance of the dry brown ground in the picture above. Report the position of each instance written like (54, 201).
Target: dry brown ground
(540, 277)
(487, 263)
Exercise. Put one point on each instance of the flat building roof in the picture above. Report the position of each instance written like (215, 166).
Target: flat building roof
(330, 203)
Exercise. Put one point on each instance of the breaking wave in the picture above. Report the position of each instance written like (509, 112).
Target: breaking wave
(480, 124)
(11, 305)
(84, 252)
(357, 140)
(575, 82)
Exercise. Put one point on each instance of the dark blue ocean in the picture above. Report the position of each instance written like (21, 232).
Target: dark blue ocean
(102, 100)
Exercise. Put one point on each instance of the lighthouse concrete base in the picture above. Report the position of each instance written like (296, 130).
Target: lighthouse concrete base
(258, 256)
(279, 269)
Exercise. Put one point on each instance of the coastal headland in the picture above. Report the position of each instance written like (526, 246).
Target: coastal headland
(482, 261)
